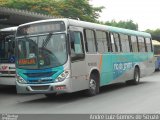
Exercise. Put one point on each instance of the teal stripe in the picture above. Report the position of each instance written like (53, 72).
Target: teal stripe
(115, 65)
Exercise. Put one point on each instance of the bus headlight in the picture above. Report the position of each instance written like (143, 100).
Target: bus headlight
(62, 76)
(19, 79)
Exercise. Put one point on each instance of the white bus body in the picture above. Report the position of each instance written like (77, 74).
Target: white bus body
(71, 55)
(7, 56)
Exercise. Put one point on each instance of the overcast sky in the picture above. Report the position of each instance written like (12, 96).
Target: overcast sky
(146, 13)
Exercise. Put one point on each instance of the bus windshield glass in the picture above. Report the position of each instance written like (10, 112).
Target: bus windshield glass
(41, 45)
(7, 47)
(42, 51)
(157, 49)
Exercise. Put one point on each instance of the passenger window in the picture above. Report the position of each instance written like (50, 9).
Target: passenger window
(148, 44)
(90, 41)
(117, 42)
(125, 43)
(76, 43)
(101, 38)
(112, 43)
(134, 43)
(141, 44)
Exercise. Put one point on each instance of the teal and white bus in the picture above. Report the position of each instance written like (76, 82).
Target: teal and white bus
(7, 56)
(65, 55)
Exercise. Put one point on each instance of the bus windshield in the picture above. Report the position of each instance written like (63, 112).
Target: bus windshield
(157, 49)
(7, 47)
(156, 46)
(42, 51)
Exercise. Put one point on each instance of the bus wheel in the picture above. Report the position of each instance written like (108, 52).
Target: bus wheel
(136, 77)
(93, 86)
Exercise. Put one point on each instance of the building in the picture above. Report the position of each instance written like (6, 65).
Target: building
(13, 17)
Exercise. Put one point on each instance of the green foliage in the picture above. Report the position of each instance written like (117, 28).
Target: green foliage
(123, 24)
(66, 8)
(79, 9)
(39, 6)
(153, 32)
(3, 2)
(60, 8)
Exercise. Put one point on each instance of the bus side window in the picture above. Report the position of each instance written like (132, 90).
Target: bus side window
(90, 41)
(102, 41)
(148, 44)
(125, 43)
(141, 44)
(134, 43)
(112, 42)
(117, 42)
(76, 45)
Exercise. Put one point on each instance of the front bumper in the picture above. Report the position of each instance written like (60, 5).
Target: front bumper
(59, 87)
(7, 80)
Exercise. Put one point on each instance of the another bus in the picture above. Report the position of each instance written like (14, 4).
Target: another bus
(65, 55)
(7, 56)
(156, 48)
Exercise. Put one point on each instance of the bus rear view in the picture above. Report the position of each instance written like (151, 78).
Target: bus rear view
(7, 56)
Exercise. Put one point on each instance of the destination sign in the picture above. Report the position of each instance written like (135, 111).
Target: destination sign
(27, 61)
(43, 27)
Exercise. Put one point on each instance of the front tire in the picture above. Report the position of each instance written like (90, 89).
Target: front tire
(93, 86)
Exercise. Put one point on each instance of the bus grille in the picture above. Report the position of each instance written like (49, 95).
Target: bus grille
(40, 81)
(45, 74)
(8, 72)
(44, 87)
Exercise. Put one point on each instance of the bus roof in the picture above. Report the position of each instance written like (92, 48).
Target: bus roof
(9, 29)
(90, 25)
(129, 32)
(155, 42)
(107, 28)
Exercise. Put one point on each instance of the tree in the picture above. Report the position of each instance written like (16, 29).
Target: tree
(153, 32)
(39, 6)
(123, 24)
(79, 9)
(59, 8)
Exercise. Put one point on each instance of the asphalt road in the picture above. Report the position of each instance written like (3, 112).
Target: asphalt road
(117, 98)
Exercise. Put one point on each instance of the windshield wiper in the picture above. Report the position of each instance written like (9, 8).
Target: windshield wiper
(45, 42)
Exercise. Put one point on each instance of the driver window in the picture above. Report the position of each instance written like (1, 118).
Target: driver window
(76, 43)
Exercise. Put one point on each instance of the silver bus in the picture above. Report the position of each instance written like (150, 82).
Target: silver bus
(65, 55)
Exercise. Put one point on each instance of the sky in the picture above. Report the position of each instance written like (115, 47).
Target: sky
(146, 13)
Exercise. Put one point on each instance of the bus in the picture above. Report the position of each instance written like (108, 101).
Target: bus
(58, 56)
(156, 48)
(7, 56)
